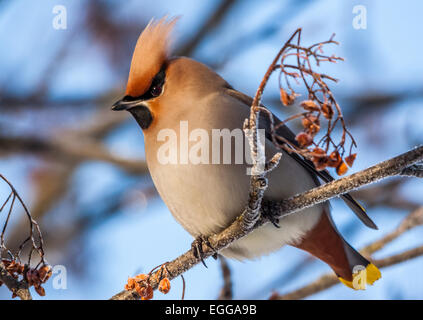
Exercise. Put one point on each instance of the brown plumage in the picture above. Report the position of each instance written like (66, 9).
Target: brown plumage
(151, 51)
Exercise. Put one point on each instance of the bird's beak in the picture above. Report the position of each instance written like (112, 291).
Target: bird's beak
(138, 109)
(125, 105)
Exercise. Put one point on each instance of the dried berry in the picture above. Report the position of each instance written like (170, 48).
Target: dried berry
(40, 290)
(304, 139)
(313, 129)
(309, 105)
(130, 284)
(341, 169)
(45, 273)
(318, 152)
(164, 285)
(29, 277)
(35, 277)
(147, 293)
(350, 159)
(334, 159)
(287, 99)
(327, 111)
(139, 289)
(141, 277)
(319, 159)
(306, 122)
(309, 121)
(321, 163)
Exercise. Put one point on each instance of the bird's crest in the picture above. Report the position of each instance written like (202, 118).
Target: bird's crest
(151, 51)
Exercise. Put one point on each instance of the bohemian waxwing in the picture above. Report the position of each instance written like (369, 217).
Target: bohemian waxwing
(181, 106)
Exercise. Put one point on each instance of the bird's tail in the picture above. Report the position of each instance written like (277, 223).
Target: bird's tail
(362, 271)
(325, 242)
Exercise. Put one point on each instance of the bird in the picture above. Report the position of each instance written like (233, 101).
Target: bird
(181, 105)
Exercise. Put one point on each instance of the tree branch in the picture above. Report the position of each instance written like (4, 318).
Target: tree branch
(71, 150)
(18, 288)
(210, 24)
(226, 291)
(388, 168)
(414, 219)
(329, 280)
(296, 203)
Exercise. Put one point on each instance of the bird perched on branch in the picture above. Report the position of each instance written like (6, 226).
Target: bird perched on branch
(187, 112)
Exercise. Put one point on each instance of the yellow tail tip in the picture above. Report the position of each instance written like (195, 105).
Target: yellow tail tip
(363, 277)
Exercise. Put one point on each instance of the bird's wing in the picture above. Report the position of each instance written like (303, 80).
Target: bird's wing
(285, 132)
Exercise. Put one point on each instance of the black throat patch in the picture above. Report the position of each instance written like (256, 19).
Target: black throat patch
(143, 116)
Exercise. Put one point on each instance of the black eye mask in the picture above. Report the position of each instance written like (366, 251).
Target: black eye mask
(153, 91)
(135, 105)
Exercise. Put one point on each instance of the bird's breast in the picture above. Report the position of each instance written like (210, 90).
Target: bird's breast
(200, 164)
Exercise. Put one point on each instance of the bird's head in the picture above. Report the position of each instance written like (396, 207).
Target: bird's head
(147, 75)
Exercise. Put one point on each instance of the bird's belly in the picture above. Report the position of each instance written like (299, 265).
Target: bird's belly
(206, 198)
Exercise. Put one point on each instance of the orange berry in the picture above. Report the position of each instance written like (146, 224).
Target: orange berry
(287, 99)
(334, 159)
(309, 105)
(308, 121)
(313, 129)
(327, 111)
(130, 284)
(341, 169)
(164, 285)
(304, 139)
(45, 273)
(319, 152)
(319, 159)
(350, 159)
(147, 293)
(141, 277)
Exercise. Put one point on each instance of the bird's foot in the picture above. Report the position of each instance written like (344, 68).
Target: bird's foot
(197, 248)
(270, 214)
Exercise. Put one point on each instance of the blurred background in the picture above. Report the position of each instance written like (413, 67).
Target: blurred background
(80, 167)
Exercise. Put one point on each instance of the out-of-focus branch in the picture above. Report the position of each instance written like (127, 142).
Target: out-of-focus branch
(66, 150)
(211, 23)
(326, 281)
(373, 102)
(69, 149)
(387, 195)
(414, 219)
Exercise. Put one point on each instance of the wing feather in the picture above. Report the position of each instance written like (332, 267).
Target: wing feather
(285, 132)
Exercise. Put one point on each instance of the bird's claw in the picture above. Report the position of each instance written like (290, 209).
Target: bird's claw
(267, 213)
(197, 248)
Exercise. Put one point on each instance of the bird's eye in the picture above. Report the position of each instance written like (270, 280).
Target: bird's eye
(156, 91)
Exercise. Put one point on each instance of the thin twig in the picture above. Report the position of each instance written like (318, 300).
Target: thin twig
(226, 291)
